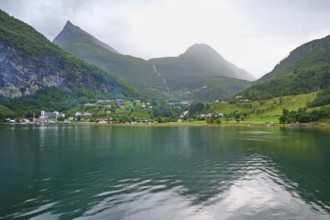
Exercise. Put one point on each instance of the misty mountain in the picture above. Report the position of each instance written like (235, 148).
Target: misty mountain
(130, 69)
(198, 61)
(170, 78)
(72, 34)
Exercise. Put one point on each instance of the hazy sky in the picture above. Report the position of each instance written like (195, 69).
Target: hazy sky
(253, 34)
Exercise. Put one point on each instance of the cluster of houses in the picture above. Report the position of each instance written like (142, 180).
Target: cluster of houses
(112, 105)
(184, 116)
(49, 117)
(135, 121)
(119, 103)
(179, 103)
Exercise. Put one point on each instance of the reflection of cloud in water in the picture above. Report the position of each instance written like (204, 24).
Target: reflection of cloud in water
(256, 192)
(260, 193)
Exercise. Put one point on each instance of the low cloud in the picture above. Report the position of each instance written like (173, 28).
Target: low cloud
(253, 34)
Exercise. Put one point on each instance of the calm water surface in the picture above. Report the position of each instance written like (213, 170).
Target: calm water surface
(102, 172)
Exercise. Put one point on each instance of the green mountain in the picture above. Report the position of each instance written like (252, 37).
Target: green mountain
(200, 60)
(32, 67)
(198, 68)
(182, 77)
(127, 68)
(72, 34)
(306, 69)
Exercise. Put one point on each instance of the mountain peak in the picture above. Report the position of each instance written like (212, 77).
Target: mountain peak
(72, 34)
(68, 23)
(203, 51)
(69, 26)
(200, 48)
(211, 59)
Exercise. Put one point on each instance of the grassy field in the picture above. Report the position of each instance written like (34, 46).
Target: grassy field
(265, 111)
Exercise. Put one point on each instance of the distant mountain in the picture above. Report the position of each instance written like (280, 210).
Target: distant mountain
(170, 78)
(209, 62)
(30, 64)
(199, 68)
(199, 61)
(127, 68)
(72, 34)
(306, 69)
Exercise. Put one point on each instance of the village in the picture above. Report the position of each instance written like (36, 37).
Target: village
(121, 111)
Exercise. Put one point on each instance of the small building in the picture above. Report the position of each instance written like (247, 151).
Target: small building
(47, 117)
(87, 114)
(183, 114)
(102, 121)
(12, 121)
(24, 121)
(174, 102)
(60, 114)
(120, 103)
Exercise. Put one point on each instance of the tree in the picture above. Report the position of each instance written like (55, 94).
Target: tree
(283, 119)
(196, 108)
(285, 111)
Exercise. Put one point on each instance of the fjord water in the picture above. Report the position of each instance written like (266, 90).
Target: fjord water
(103, 172)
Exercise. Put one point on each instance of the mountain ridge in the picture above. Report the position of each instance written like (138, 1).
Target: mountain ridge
(149, 76)
(306, 69)
(205, 59)
(30, 63)
(70, 33)
(296, 57)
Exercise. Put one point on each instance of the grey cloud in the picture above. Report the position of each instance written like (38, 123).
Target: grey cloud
(122, 24)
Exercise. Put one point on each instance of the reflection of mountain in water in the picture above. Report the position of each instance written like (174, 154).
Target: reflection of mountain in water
(165, 172)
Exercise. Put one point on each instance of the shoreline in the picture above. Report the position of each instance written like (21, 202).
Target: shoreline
(184, 124)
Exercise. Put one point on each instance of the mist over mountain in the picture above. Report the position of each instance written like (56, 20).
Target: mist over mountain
(170, 78)
(200, 60)
(130, 69)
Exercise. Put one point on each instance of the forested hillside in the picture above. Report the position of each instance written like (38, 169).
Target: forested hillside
(305, 70)
(30, 63)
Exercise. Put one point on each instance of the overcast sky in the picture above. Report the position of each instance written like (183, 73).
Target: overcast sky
(252, 34)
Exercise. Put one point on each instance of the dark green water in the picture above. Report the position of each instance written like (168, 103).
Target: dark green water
(101, 172)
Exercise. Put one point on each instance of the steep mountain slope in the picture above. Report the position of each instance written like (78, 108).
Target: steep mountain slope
(127, 68)
(72, 34)
(171, 78)
(216, 88)
(199, 60)
(202, 74)
(29, 63)
(306, 69)
(312, 54)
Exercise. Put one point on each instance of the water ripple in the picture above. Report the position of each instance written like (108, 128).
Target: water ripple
(197, 173)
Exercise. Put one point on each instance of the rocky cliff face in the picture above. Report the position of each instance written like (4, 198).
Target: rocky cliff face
(29, 62)
(22, 76)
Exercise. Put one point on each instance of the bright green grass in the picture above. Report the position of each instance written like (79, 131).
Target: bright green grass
(140, 115)
(266, 111)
